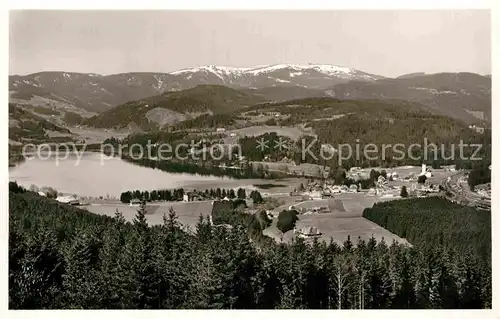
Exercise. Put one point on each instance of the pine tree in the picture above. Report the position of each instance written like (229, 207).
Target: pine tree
(81, 278)
(141, 280)
(404, 192)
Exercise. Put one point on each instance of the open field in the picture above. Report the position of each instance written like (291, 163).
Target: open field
(304, 168)
(94, 136)
(284, 186)
(344, 219)
(291, 132)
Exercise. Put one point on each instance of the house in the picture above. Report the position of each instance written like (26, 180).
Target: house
(477, 129)
(308, 232)
(335, 189)
(135, 202)
(190, 196)
(273, 113)
(327, 193)
(70, 200)
(344, 189)
(249, 202)
(315, 195)
(220, 130)
(42, 194)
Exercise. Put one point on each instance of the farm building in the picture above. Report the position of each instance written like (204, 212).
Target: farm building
(315, 195)
(308, 232)
(191, 196)
(135, 202)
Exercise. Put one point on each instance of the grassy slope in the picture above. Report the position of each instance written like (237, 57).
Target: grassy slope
(30, 125)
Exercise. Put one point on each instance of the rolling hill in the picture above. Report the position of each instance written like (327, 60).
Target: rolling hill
(173, 107)
(97, 93)
(463, 96)
(359, 122)
(24, 125)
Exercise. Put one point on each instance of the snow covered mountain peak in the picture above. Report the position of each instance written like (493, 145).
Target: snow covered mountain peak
(322, 68)
(211, 68)
(281, 73)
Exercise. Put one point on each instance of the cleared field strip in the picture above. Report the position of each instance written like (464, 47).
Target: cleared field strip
(344, 219)
(188, 213)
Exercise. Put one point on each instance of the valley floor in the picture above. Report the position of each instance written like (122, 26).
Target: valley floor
(345, 218)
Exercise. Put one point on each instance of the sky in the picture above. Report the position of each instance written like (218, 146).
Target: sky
(388, 43)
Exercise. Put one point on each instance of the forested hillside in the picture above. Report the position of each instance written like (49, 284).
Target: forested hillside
(462, 232)
(27, 125)
(436, 221)
(173, 107)
(63, 257)
(463, 96)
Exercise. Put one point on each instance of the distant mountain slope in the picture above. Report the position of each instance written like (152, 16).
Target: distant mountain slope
(361, 122)
(173, 107)
(91, 92)
(309, 75)
(464, 96)
(96, 93)
(285, 93)
(410, 75)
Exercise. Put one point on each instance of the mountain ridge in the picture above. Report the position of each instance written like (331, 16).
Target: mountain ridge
(444, 93)
(96, 93)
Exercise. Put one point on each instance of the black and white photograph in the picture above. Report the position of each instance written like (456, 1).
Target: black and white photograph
(249, 159)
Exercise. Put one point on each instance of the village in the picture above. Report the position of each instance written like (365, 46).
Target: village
(325, 210)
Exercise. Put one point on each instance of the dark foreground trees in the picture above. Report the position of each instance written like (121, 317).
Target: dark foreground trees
(64, 257)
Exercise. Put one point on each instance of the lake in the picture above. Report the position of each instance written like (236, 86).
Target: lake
(92, 176)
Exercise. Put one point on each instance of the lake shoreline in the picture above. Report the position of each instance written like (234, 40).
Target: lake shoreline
(94, 176)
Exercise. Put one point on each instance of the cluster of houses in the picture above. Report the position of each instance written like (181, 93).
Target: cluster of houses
(64, 199)
(316, 190)
(477, 129)
(484, 191)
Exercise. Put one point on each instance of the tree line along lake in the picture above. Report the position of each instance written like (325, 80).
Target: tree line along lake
(94, 175)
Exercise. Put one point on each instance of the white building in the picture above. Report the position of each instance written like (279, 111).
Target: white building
(307, 232)
(353, 188)
(315, 195)
(70, 200)
(220, 130)
(424, 169)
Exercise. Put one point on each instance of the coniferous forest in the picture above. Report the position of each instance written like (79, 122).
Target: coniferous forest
(61, 257)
